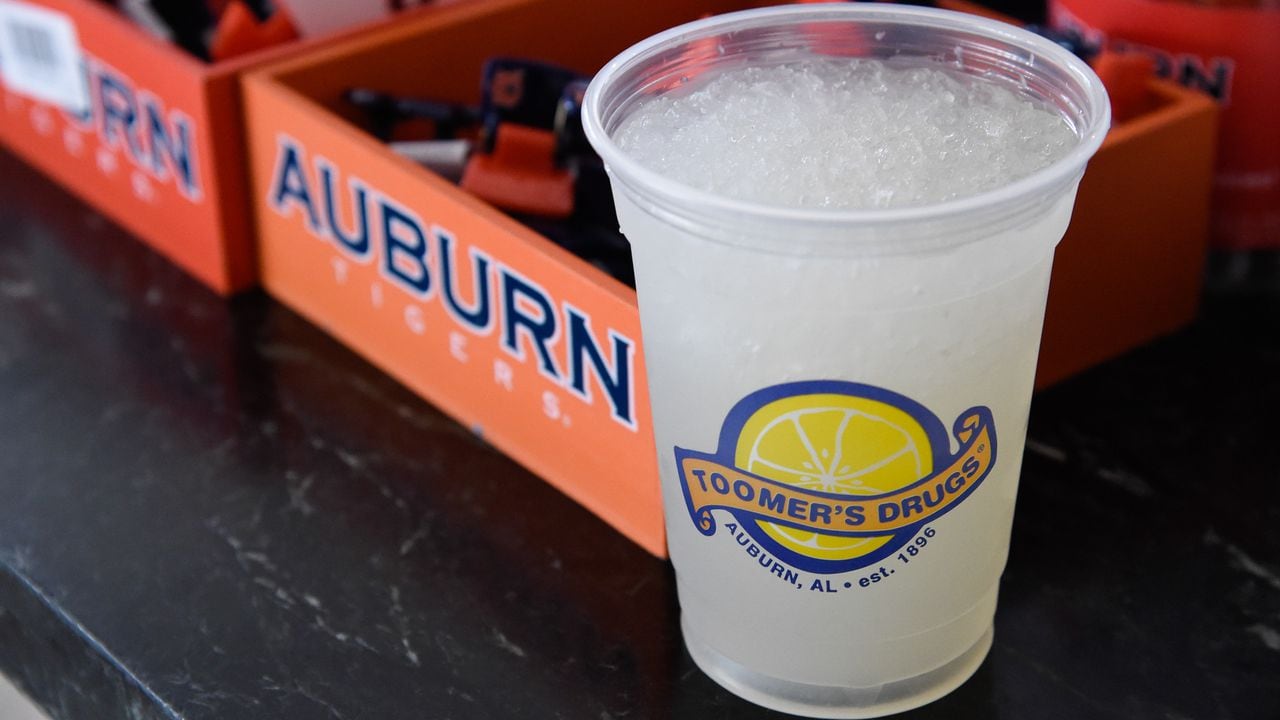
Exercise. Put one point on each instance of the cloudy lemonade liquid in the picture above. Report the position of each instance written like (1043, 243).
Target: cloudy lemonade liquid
(844, 133)
(839, 407)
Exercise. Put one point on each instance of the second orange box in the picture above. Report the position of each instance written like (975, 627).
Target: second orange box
(531, 347)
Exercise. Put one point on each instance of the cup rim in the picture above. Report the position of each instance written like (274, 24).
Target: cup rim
(1060, 172)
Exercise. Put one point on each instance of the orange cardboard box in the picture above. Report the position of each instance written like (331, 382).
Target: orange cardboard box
(161, 149)
(1131, 265)
(537, 350)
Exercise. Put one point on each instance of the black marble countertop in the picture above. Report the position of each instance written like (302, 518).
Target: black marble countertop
(212, 510)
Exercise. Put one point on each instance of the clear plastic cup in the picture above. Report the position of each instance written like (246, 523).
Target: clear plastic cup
(840, 397)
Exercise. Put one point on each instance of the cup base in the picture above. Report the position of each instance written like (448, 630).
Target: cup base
(823, 701)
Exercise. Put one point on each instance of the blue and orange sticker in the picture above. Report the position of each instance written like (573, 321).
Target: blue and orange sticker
(832, 476)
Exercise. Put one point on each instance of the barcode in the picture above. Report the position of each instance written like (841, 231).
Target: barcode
(41, 55)
(34, 44)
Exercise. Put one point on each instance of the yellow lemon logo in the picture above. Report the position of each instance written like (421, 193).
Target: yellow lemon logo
(830, 476)
(835, 444)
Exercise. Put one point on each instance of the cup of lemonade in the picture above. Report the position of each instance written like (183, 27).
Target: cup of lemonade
(842, 219)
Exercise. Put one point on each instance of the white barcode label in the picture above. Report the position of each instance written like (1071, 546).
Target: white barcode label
(40, 55)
